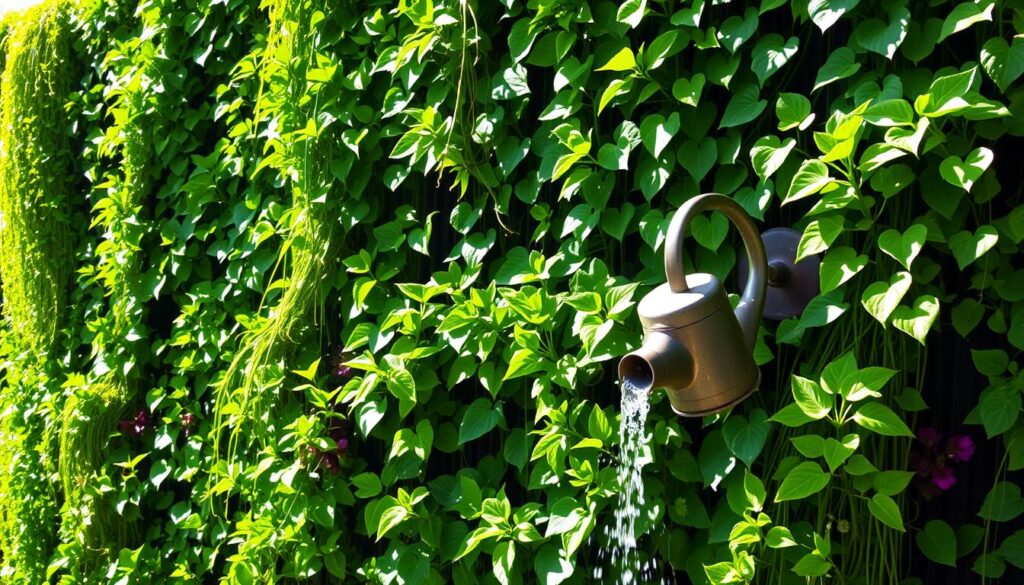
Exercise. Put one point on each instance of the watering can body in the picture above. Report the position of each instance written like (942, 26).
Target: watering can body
(696, 346)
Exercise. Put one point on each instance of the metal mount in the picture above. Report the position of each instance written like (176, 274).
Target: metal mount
(791, 285)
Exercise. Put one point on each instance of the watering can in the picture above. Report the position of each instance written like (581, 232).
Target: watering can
(696, 346)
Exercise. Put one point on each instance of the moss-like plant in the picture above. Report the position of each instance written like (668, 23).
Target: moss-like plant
(36, 264)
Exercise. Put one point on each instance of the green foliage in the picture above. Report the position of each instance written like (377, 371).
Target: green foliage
(368, 267)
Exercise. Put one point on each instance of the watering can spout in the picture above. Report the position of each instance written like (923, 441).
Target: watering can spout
(695, 346)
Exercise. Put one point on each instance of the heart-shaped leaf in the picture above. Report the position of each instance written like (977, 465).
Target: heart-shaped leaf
(770, 54)
(836, 453)
(709, 230)
(882, 38)
(841, 64)
(736, 30)
(917, 320)
(793, 111)
(968, 247)
(769, 153)
(840, 265)
(938, 542)
(964, 173)
(965, 15)
(615, 222)
(656, 132)
(744, 106)
(881, 299)
(810, 178)
(697, 158)
(744, 438)
(825, 13)
(903, 247)
(688, 91)
(819, 235)
(1003, 62)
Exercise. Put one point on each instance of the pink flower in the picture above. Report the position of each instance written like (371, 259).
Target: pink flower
(960, 448)
(943, 478)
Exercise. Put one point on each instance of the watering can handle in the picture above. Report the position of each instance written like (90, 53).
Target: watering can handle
(751, 304)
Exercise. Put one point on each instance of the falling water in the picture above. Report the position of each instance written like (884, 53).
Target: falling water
(633, 455)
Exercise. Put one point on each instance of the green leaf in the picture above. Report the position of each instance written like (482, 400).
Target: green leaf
(791, 415)
(884, 38)
(804, 480)
(709, 231)
(551, 565)
(744, 106)
(793, 111)
(503, 558)
(903, 247)
(367, 485)
(736, 30)
(770, 54)
(964, 173)
(656, 132)
(390, 519)
(892, 483)
(886, 511)
(780, 537)
(478, 420)
(744, 438)
(1003, 62)
(1003, 503)
(879, 418)
(990, 566)
(892, 179)
(887, 113)
(938, 542)
(866, 383)
(616, 87)
(859, 465)
(881, 299)
(837, 453)
(688, 91)
(991, 362)
(840, 65)
(631, 12)
(810, 178)
(812, 565)
(624, 60)
(826, 13)
(946, 95)
(838, 266)
(1012, 549)
(769, 153)
(966, 15)
(698, 157)
(967, 315)
(819, 235)
(1000, 408)
(917, 321)
(968, 247)
(812, 399)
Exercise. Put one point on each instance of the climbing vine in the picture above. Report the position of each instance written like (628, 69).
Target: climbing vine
(307, 291)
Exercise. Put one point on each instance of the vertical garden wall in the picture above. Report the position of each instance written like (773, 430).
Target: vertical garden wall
(310, 291)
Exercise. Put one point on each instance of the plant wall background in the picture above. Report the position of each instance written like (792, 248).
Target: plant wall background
(333, 292)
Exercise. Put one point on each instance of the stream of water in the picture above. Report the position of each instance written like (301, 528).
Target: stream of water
(624, 555)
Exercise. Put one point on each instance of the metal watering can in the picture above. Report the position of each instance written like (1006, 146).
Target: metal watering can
(695, 346)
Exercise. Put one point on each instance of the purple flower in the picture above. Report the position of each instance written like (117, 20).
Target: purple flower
(342, 444)
(960, 448)
(943, 478)
(929, 436)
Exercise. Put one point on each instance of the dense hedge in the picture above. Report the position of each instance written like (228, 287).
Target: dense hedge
(333, 291)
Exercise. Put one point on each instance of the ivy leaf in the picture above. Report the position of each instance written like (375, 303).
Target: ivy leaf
(838, 266)
(966, 15)
(968, 247)
(806, 479)
(826, 13)
(709, 231)
(698, 157)
(938, 542)
(903, 247)
(916, 321)
(744, 438)
(790, 415)
(877, 36)
(967, 315)
(780, 537)
(770, 53)
(736, 30)
(881, 299)
(479, 419)
(390, 519)
(812, 565)
(551, 565)
(990, 362)
(1003, 62)
(744, 106)
(886, 511)
(964, 173)
(892, 483)
(656, 132)
(810, 178)
(840, 65)
(892, 179)
(793, 111)
(1003, 503)
(887, 113)
(688, 91)
(837, 453)
(1012, 549)
(1000, 408)
(769, 153)
(946, 95)
(879, 418)
(819, 235)
(624, 60)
